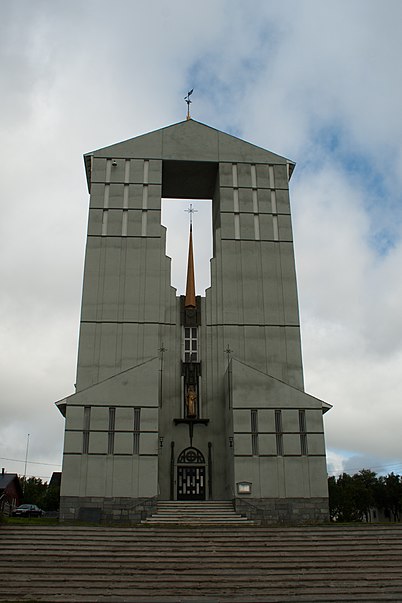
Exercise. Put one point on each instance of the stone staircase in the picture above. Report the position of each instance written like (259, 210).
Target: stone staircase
(169, 564)
(197, 513)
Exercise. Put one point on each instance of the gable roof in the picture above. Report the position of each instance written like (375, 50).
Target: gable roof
(187, 140)
(7, 478)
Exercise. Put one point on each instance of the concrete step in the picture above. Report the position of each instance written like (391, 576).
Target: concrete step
(208, 564)
(196, 513)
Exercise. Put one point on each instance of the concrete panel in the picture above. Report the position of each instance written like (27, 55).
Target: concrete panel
(98, 173)
(227, 226)
(136, 171)
(125, 476)
(296, 477)
(155, 171)
(154, 224)
(246, 199)
(281, 176)
(290, 419)
(154, 196)
(247, 231)
(95, 222)
(247, 469)
(70, 485)
(291, 310)
(266, 420)
(291, 444)
(123, 443)
(225, 174)
(226, 200)
(134, 223)
(269, 477)
(285, 228)
(264, 201)
(148, 476)
(241, 420)
(149, 419)
(149, 443)
(267, 443)
(242, 444)
(73, 442)
(282, 201)
(314, 420)
(116, 196)
(135, 196)
(98, 442)
(266, 227)
(96, 485)
(262, 176)
(315, 443)
(124, 419)
(74, 417)
(244, 175)
(318, 476)
(233, 149)
(97, 196)
(100, 417)
(147, 145)
(114, 223)
(188, 139)
(117, 170)
(294, 374)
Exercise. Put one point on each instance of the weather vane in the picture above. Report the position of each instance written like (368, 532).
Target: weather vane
(190, 212)
(188, 101)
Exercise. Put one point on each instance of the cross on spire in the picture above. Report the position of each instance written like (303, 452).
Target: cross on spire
(190, 212)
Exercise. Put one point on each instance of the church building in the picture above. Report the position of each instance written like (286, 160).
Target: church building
(191, 397)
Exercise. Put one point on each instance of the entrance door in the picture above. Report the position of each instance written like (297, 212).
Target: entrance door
(191, 475)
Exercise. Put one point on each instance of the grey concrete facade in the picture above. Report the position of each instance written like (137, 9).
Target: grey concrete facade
(260, 436)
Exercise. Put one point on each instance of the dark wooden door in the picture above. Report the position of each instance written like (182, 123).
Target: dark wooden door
(191, 475)
(191, 482)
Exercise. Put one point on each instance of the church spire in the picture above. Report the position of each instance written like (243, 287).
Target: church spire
(189, 301)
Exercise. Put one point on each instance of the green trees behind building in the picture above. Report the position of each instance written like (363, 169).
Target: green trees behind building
(37, 492)
(362, 496)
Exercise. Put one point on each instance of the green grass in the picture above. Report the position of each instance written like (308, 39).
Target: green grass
(31, 521)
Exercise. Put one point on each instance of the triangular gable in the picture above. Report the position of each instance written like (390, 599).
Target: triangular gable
(256, 389)
(137, 386)
(188, 141)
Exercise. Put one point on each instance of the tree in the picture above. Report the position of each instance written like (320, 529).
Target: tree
(389, 495)
(33, 490)
(364, 494)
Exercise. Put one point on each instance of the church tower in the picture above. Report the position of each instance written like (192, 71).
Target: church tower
(191, 397)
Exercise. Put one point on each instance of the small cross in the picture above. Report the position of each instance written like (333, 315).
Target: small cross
(228, 351)
(190, 212)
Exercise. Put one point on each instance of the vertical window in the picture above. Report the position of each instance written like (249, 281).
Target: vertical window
(303, 432)
(136, 431)
(85, 433)
(190, 344)
(279, 432)
(110, 441)
(254, 432)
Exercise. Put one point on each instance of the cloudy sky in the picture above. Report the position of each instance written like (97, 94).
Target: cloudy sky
(316, 81)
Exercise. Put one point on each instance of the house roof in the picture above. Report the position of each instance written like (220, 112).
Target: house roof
(7, 478)
(187, 140)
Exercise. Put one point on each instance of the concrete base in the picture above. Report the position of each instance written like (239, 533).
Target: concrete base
(106, 510)
(292, 511)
